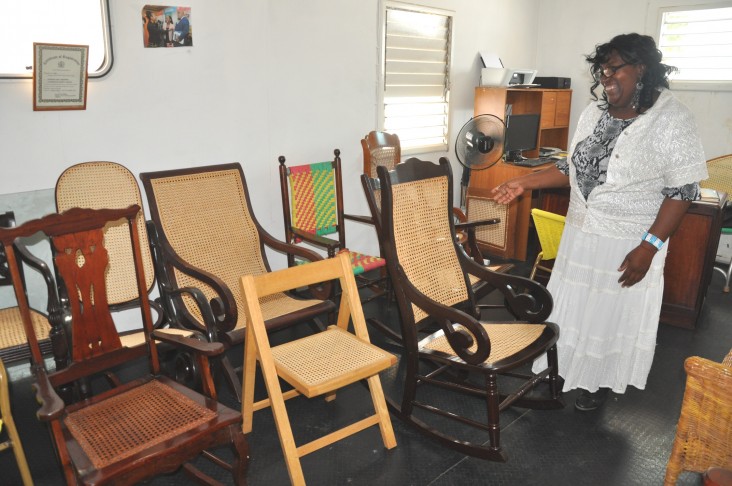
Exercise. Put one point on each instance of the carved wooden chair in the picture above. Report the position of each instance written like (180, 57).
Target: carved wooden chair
(315, 365)
(704, 432)
(380, 148)
(430, 276)
(208, 238)
(7, 423)
(13, 340)
(312, 209)
(136, 430)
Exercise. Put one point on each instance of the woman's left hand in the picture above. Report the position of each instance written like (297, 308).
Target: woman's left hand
(636, 265)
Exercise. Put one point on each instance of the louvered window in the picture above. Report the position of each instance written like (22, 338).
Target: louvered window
(698, 41)
(416, 81)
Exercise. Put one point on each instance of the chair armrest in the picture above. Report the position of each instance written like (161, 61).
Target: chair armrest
(711, 373)
(52, 407)
(359, 218)
(526, 299)
(317, 240)
(54, 303)
(208, 309)
(226, 317)
(321, 291)
(449, 318)
(476, 224)
(193, 345)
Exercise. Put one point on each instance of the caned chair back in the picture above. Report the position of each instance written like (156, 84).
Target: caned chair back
(421, 223)
(380, 149)
(206, 218)
(720, 174)
(99, 185)
(496, 239)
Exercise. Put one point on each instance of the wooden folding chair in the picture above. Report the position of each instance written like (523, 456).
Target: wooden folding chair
(315, 365)
(7, 422)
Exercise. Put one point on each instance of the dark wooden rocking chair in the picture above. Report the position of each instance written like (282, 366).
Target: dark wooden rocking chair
(430, 277)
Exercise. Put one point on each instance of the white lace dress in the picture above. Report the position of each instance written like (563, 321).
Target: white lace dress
(607, 332)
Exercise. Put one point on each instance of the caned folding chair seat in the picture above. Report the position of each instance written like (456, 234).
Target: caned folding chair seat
(312, 205)
(549, 228)
(209, 239)
(314, 365)
(704, 431)
(429, 272)
(7, 423)
(136, 430)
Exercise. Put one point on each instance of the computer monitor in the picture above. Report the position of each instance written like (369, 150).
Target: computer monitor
(522, 133)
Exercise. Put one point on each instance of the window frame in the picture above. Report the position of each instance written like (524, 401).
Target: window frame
(654, 21)
(108, 59)
(381, 69)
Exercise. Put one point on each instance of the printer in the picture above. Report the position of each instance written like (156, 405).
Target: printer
(494, 74)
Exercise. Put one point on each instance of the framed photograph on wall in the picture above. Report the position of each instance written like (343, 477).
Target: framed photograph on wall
(166, 26)
(59, 76)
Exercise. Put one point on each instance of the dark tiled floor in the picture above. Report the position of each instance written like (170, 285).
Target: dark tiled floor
(625, 443)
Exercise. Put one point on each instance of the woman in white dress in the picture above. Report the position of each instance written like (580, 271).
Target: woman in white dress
(633, 168)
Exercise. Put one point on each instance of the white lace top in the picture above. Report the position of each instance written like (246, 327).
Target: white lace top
(660, 149)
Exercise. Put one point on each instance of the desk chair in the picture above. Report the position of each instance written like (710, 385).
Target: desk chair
(720, 179)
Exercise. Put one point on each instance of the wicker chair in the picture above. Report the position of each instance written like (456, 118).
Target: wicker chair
(380, 148)
(720, 179)
(315, 365)
(313, 212)
(704, 432)
(549, 227)
(13, 340)
(7, 422)
(136, 430)
(208, 238)
(429, 273)
(495, 240)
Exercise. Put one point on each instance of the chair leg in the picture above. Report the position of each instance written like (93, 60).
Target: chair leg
(240, 447)
(377, 397)
(493, 401)
(18, 451)
(231, 377)
(536, 265)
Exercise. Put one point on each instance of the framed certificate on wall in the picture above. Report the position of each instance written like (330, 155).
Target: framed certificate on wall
(59, 76)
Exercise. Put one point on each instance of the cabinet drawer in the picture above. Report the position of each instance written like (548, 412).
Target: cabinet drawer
(548, 109)
(561, 115)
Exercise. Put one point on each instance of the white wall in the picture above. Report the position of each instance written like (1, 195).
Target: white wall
(287, 77)
(570, 29)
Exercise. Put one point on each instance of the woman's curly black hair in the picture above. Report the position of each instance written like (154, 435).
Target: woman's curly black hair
(633, 49)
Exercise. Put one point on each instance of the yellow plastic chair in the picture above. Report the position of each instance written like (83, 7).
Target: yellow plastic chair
(549, 227)
(6, 419)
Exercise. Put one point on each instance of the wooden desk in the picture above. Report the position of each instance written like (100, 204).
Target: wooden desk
(689, 263)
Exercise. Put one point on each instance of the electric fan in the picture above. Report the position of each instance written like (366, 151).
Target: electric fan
(479, 144)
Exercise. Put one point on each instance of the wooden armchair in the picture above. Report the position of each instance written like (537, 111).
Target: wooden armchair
(380, 148)
(312, 210)
(314, 365)
(430, 277)
(136, 430)
(48, 325)
(208, 237)
(704, 432)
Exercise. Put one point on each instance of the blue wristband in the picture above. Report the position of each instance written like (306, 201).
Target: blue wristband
(653, 240)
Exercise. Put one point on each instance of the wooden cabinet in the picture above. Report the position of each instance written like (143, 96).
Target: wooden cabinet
(689, 264)
(554, 107)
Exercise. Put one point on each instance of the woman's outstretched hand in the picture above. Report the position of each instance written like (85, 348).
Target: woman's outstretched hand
(508, 191)
(635, 265)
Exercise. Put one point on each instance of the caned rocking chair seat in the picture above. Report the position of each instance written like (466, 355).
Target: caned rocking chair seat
(12, 332)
